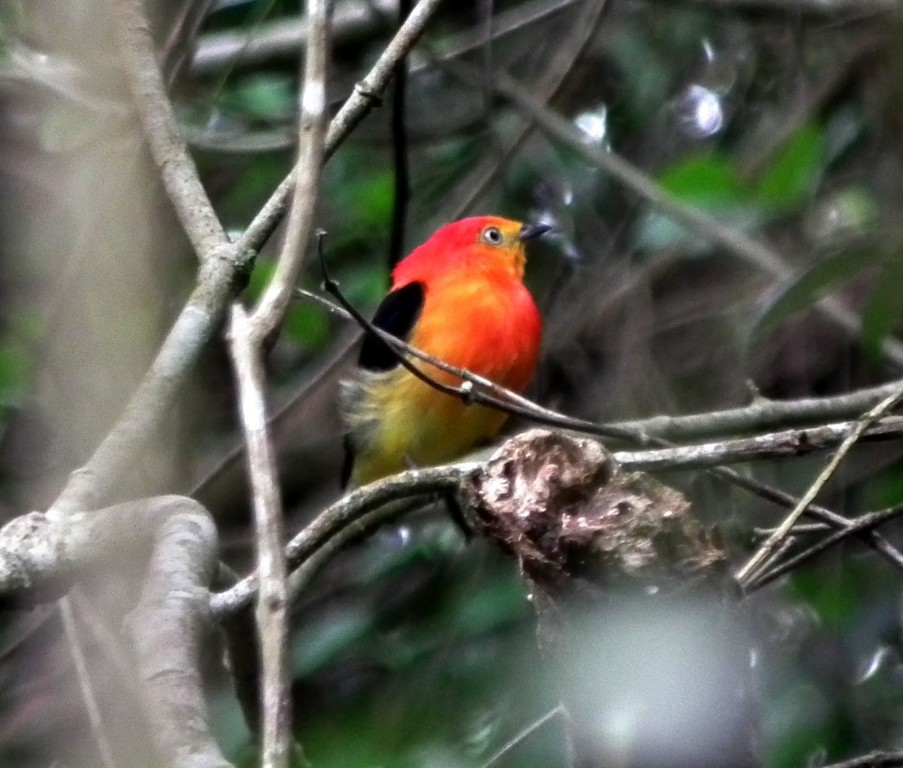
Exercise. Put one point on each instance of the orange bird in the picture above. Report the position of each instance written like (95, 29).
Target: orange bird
(459, 297)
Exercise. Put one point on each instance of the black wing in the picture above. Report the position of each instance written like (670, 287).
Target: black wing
(396, 315)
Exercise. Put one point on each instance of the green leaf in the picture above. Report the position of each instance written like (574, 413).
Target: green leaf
(265, 96)
(708, 181)
(796, 171)
(705, 181)
(306, 325)
(14, 365)
(813, 284)
(885, 307)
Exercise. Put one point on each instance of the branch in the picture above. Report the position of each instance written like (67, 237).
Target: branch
(872, 760)
(762, 413)
(401, 176)
(271, 614)
(221, 263)
(82, 674)
(41, 556)
(773, 445)
(870, 538)
(582, 31)
(167, 630)
(344, 512)
(354, 530)
(859, 429)
(89, 486)
(351, 21)
(248, 337)
(857, 526)
(270, 311)
(285, 37)
(177, 169)
(796, 7)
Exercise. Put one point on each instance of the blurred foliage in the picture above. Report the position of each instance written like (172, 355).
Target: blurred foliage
(414, 648)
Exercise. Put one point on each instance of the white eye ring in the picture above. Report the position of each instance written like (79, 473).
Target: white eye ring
(492, 235)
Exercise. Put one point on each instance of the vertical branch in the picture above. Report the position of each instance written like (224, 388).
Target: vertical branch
(271, 599)
(311, 135)
(248, 337)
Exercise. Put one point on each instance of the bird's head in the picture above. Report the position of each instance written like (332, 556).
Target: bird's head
(480, 242)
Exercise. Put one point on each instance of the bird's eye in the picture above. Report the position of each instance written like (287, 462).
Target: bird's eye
(492, 235)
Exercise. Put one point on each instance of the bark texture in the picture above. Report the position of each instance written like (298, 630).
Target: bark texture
(637, 612)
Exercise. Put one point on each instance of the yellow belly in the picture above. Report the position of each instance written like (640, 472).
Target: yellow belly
(408, 422)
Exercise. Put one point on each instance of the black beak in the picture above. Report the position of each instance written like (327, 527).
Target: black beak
(530, 232)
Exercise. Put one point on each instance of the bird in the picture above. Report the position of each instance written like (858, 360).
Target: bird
(459, 297)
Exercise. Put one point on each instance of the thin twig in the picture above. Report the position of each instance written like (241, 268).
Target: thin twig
(283, 37)
(324, 373)
(73, 642)
(762, 413)
(796, 7)
(755, 563)
(772, 445)
(532, 728)
(859, 525)
(353, 530)
(88, 486)
(402, 180)
(870, 538)
(248, 337)
(271, 612)
(474, 388)
(582, 31)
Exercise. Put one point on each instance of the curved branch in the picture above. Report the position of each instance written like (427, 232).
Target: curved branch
(167, 629)
(41, 556)
(344, 512)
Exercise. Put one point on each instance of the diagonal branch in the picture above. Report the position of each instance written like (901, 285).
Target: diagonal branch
(858, 526)
(771, 545)
(177, 169)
